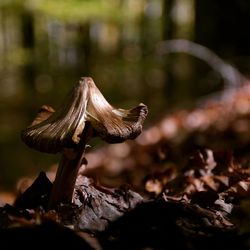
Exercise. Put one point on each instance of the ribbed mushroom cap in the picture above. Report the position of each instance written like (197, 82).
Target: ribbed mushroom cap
(51, 131)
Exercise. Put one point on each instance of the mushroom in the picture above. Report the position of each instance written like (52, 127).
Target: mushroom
(84, 114)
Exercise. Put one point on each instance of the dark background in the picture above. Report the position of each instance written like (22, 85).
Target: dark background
(47, 45)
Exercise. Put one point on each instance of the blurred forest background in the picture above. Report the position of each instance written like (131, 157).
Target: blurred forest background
(47, 45)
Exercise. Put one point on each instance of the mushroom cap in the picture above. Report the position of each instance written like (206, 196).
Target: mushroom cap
(52, 131)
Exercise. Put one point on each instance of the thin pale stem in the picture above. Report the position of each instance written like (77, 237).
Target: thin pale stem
(64, 184)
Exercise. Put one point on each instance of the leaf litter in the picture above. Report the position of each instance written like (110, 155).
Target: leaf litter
(184, 183)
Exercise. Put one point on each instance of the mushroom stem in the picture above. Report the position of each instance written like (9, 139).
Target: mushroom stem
(71, 161)
(66, 175)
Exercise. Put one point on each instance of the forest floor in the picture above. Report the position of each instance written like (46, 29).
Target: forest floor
(184, 183)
